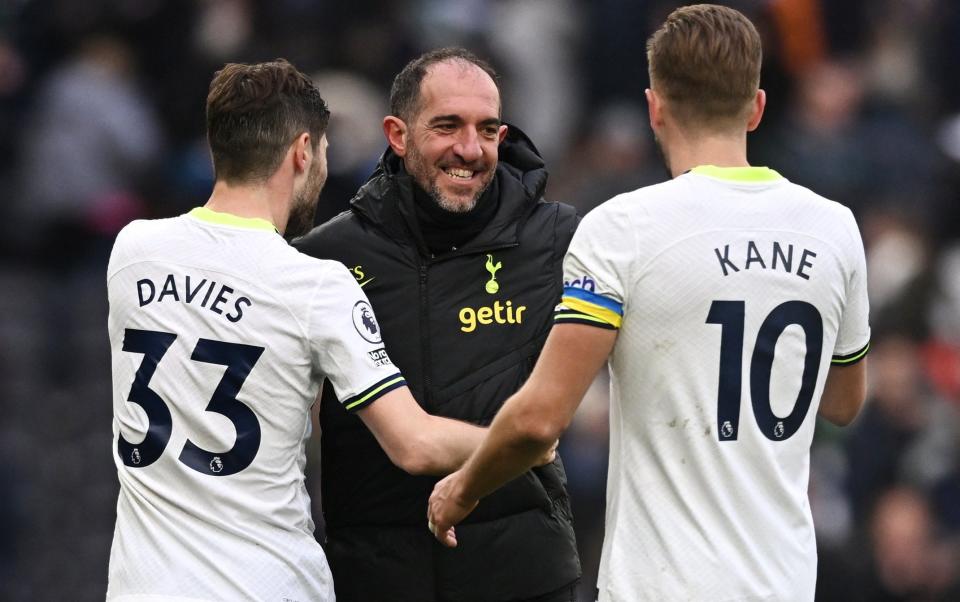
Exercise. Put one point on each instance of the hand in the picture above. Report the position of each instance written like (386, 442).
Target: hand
(446, 509)
(550, 455)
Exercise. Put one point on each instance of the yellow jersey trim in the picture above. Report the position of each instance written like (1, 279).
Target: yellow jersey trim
(851, 358)
(382, 388)
(738, 174)
(602, 313)
(228, 219)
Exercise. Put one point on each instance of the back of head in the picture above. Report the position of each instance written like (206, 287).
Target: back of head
(405, 92)
(254, 113)
(705, 63)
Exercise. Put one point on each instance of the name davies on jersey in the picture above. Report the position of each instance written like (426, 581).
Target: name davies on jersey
(194, 293)
(781, 256)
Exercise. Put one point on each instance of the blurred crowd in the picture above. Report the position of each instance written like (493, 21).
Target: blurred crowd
(101, 122)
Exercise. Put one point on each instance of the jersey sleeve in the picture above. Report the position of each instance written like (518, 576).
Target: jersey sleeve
(347, 344)
(853, 338)
(596, 270)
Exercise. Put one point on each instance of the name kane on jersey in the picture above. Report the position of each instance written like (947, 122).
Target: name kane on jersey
(780, 257)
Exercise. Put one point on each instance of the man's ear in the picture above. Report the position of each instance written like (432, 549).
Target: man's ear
(756, 111)
(395, 129)
(302, 153)
(655, 109)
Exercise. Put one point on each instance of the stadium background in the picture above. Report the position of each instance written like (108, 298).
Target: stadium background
(101, 121)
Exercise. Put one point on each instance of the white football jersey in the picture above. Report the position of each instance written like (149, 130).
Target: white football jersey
(733, 290)
(221, 334)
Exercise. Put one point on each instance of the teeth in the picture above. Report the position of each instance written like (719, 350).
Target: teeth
(465, 174)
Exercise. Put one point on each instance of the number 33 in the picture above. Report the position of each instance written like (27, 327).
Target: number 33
(239, 360)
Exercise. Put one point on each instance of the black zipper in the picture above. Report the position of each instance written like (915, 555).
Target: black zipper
(425, 264)
(425, 337)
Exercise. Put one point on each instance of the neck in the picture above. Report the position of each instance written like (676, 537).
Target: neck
(443, 230)
(686, 151)
(263, 200)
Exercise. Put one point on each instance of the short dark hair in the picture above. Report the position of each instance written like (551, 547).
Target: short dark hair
(705, 62)
(405, 92)
(254, 113)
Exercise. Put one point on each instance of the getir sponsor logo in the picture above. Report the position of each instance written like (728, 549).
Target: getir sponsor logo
(498, 313)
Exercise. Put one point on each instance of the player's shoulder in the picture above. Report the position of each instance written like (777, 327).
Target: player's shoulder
(141, 237)
(630, 204)
(297, 269)
(819, 201)
(147, 229)
(317, 284)
(833, 220)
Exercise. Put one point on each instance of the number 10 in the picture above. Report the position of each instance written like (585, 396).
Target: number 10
(730, 315)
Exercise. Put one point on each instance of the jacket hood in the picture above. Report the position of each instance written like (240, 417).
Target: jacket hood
(521, 176)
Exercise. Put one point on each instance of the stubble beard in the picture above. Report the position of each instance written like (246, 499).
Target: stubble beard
(417, 167)
(304, 209)
(454, 206)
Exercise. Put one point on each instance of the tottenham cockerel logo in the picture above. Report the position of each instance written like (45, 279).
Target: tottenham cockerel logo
(365, 322)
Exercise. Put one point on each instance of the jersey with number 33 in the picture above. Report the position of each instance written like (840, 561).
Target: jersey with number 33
(221, 334)
(734, 291)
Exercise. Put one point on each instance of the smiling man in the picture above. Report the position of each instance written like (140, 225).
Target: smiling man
(460, 257)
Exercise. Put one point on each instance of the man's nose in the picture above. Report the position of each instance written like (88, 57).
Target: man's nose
(468, 145)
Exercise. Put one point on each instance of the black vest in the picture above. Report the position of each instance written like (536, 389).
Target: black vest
(465, 329)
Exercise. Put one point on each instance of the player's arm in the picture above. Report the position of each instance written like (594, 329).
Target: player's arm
(846, 386)
(844, 393)
(418, 442)
(527, 425)
(345, 337)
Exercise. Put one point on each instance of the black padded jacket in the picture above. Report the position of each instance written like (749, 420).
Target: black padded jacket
(465, 329)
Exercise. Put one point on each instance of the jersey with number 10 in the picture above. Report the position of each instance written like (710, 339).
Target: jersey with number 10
(221, 334)
(734, 291)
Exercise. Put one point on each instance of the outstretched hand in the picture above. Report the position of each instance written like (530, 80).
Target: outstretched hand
(446, 509)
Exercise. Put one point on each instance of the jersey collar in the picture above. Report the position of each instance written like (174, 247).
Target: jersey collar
(737, 174)
(228, 219)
